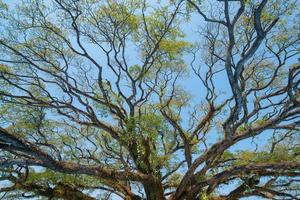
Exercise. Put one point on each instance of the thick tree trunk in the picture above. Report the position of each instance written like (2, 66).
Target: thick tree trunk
(154, 190)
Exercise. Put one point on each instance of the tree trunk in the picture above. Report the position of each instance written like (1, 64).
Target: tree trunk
(154, 190)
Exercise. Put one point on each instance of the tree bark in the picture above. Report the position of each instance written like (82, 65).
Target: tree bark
(154, 190)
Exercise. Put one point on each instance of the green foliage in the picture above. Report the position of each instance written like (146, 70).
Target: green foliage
(247, 126)
(227, 155)
(28, 118)
(3, 9)
(296, 151)
(200, 179)
(281, 153)
(147, 125)
(174, 180)
(119, 14)
(244, 127)
(4, 69)
(135, 70)
(203, 196)
(173, 48)
(50, 177)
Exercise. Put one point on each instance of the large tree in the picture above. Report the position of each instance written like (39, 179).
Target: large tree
(178, 99)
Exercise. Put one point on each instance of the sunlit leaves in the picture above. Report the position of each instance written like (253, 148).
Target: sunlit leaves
(281, 153)
(49, 177)
(118, 15)
(173, 48)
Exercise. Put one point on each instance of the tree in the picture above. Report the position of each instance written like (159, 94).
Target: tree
(94, 104)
